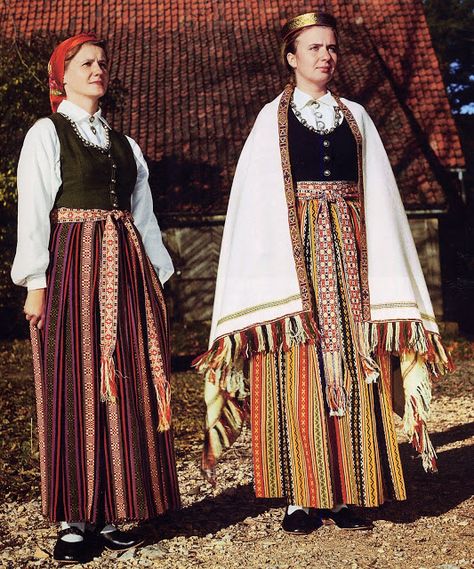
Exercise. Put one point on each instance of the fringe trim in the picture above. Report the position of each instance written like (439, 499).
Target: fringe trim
(223, 362)
(422, 358)
(398, 337)
(226, 387)
(222, 434)
(417, 387)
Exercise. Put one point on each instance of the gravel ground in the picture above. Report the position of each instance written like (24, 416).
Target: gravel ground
(227, 527)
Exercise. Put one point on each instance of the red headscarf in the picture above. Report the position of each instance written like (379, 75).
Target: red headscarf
(56, 67)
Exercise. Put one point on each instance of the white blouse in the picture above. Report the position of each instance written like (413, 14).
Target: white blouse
(303, 103)
(39, 180)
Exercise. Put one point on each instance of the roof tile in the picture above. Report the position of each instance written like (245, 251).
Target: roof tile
(197, 73)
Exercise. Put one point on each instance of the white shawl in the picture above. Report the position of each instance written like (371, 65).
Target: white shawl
(262, 300)
(257, 279)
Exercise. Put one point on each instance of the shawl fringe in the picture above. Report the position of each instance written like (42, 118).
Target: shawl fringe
(422, 357)
(400, 337)
(417, 388)
(223, 433)
(223, 362)
(226, 387)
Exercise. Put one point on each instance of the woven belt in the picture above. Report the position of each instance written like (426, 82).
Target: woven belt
(328, 191)
(337, 378)
(108, 286)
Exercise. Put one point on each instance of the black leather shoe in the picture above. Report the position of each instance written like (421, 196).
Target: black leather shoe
(120, 540)
(346, 519)
(70, 551)
(300, 523)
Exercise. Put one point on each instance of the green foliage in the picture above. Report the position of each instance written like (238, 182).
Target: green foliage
(23, 99)
(451, 25)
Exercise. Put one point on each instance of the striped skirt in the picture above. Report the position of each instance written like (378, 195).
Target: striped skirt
(101, 461)
(301, 450)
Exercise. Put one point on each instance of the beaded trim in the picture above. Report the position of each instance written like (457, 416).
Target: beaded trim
(104, 149)
(338, 118)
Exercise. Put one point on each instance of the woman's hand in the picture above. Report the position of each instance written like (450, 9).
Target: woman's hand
(34, 307)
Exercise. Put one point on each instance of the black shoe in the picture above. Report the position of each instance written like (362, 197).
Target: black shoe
(346, 519)
(300, 523)
(117, 540)
(70, 551)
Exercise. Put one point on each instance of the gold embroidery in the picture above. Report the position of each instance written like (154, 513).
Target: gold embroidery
(308, 19)
(403, 304)
(258, 307)
(399, 304)
(428, 317)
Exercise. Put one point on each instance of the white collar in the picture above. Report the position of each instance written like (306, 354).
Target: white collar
(78, 114)
(301, 99)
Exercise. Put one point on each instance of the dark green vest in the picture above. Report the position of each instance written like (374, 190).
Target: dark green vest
(94, 177)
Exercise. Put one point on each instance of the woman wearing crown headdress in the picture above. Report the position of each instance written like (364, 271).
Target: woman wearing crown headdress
(91, 256)
(319, 298)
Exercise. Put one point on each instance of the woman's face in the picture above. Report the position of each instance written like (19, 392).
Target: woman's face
(86, 75)
(315, 57)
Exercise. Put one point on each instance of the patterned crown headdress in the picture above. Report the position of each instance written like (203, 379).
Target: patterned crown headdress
(305, 20)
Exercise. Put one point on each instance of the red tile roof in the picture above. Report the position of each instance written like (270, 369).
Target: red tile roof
(198, 71)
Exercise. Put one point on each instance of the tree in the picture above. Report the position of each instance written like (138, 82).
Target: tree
(23, 98)
(451, 25)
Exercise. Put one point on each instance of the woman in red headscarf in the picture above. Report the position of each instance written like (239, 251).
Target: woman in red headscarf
(87, 237)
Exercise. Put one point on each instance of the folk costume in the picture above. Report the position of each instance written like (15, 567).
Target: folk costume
(87, 232)
(319, 296)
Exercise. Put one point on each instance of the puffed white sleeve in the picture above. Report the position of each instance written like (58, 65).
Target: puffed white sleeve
(38, 182)
(145, 220)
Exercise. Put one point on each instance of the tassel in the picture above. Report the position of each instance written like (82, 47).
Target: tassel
(297, 333)
(337, 400)
(271, 339)
(335, 393)
(369, 365)
(163, 396)
(236, 384)
(260, 339)
(286, 335)
(422, 444)
(108, 385)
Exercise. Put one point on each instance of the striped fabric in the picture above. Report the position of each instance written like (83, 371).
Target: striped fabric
(100, 461)
(300, 451)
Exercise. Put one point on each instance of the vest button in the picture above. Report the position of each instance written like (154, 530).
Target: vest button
(326, 143)
(327, 173)
(326, 158)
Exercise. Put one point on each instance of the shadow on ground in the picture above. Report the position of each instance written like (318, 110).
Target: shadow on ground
(428, 494)
(211, 514)
(435, 494)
